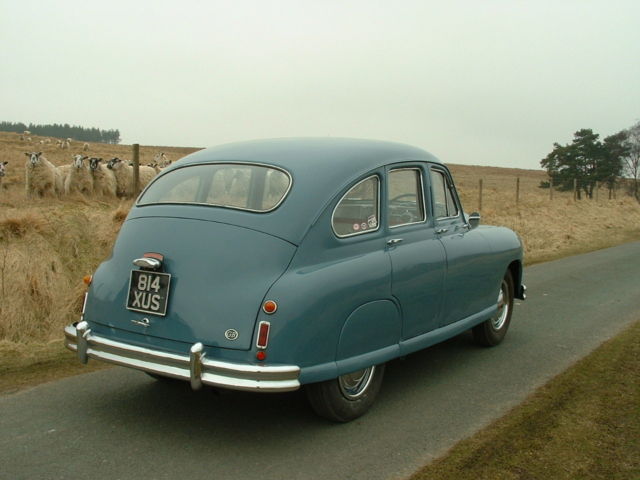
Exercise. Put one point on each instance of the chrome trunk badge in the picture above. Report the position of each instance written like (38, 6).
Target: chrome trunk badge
(144, 322)
(231, 334)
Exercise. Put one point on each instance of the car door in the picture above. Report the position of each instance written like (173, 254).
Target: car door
(469, 281)
(417, 255)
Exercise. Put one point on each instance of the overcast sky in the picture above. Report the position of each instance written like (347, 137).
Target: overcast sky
(492, 82)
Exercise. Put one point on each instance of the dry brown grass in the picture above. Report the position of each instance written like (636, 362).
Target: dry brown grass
(47, 245)
(549, 228)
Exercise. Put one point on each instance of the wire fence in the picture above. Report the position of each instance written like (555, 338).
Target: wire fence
(496, 190)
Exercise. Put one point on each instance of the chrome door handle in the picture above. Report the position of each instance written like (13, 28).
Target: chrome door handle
(442, 230)
(394, 241)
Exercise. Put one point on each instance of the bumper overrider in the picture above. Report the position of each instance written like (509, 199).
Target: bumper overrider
(194, 367)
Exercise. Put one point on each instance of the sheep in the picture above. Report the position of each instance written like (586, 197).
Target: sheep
(85, 147)
(146, 175)
(155, 166)
(64, 171)
(104, 180)
(161, 160)
(80, 179)
(2, 172)
(42, 177)
(123, 174)
(26, 132)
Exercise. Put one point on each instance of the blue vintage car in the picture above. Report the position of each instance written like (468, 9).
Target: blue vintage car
(272, 264)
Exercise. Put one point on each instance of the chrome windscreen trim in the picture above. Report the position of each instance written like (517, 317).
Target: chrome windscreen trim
(194, 368)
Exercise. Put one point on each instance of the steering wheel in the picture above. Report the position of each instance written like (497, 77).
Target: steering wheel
(403, 195)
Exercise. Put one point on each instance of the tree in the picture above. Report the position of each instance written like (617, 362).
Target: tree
(64, 131)
(632, 160)
(586, 160)
(615, 150)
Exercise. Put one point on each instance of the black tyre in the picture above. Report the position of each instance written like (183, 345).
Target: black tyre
(492, 331)
(347, 397)
(163, 379)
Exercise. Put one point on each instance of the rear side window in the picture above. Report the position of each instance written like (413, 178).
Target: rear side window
(358, 210)
(254, 188)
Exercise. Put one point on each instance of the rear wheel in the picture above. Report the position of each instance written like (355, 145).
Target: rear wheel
(163, 379)
(347, 397)
(492, 331)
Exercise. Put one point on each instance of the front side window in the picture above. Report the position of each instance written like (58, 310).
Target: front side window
(255, 188)
(444, 204)
(406, 203)
(358, 210)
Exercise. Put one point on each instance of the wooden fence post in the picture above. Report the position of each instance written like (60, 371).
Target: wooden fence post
(480, 196)
(597, 190)
(551, 188)
(135, 187)
(575, 189)
(517, 190)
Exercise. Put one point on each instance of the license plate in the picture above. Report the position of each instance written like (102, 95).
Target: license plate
(149, 292)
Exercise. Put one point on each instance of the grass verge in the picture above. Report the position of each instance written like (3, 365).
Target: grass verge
(583, 424)
(24, 367)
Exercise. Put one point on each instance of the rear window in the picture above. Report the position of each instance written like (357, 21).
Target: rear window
(255, 188)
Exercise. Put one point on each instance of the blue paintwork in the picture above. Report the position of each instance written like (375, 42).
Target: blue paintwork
(344, 303)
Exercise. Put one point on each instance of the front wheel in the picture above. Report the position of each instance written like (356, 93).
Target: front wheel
(492, 331)
(347, 397)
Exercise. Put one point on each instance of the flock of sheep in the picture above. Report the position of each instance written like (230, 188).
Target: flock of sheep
(61, 143)
(86, 176)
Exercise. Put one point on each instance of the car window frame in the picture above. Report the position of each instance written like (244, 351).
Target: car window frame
(422, 193)
(378, 177)
(214, 205)
(450, 186)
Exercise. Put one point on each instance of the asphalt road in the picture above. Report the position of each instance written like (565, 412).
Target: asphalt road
(120, 424)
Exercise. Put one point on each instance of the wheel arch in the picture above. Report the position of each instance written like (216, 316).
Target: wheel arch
(516, 270)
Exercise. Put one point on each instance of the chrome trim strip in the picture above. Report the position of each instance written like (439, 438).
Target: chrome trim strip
(194, 368)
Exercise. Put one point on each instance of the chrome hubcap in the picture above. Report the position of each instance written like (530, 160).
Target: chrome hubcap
(353, 385)
(503, 307)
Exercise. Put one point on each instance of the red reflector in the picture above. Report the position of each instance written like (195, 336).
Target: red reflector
(157, 256)
(270, 307)
(263, 335)
(261, 355)
(87, 279)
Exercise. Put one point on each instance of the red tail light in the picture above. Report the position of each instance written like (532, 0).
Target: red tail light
(263, 335)
(270, 307)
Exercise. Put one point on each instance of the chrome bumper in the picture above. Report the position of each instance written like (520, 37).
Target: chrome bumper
(522, 294)
(194, 367)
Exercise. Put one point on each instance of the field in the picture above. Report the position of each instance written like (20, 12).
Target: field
(48, 245)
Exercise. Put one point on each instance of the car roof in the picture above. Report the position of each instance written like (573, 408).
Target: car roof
(320, 169)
